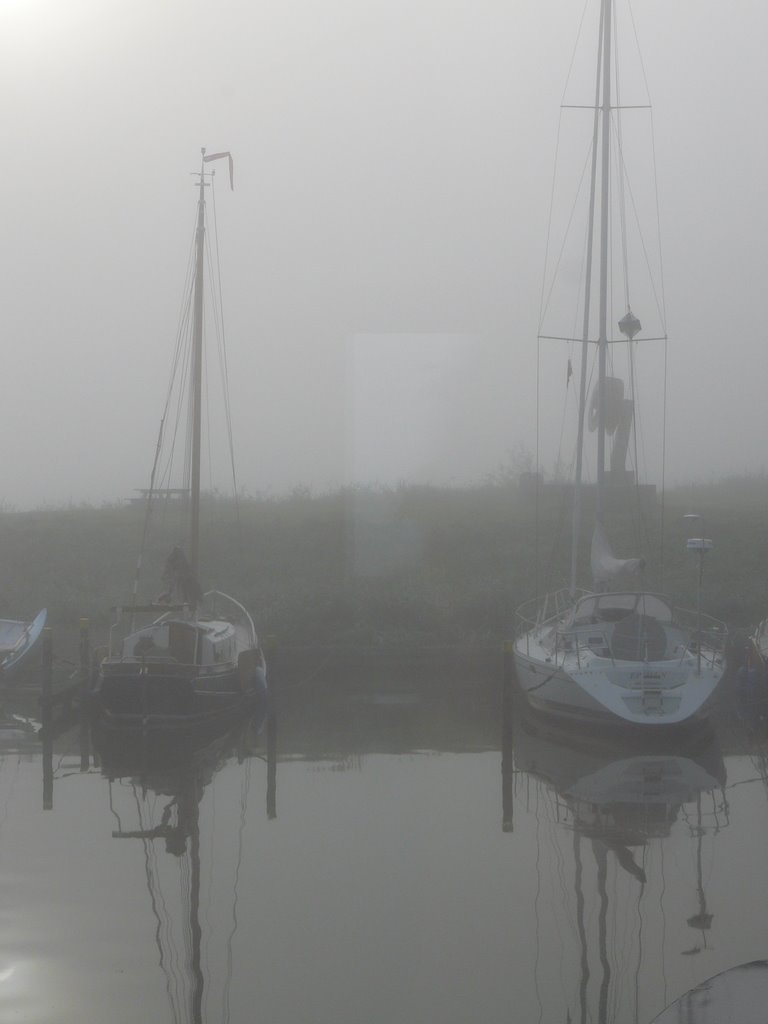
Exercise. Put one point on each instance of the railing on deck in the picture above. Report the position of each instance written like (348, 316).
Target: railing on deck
(539, 614)
(706, 635)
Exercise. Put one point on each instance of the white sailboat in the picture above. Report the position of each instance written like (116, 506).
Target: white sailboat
(199, 656)
(613, 653)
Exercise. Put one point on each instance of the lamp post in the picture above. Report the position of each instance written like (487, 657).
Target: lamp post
(700, 545)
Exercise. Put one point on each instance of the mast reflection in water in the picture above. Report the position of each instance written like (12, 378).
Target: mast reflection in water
(607, 803)
(157, 783)
(416, 871)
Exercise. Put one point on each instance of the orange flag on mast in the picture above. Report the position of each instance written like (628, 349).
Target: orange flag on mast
(218, 156)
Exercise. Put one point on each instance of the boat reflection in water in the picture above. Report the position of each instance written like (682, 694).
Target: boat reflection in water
(624, 804)
(158, 782)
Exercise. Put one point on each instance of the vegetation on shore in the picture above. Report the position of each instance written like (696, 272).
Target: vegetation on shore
(411, 565)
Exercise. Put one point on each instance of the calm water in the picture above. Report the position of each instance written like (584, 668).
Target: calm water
(403, 860)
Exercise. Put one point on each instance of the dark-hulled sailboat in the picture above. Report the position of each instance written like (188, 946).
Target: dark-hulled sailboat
(199, 655)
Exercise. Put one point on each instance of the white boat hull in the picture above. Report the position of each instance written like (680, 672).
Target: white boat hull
(599, 689)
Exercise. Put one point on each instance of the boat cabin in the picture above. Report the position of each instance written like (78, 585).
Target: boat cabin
(183, 643)
(614, 607)
(628, 626)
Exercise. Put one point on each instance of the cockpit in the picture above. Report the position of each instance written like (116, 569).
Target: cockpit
(596, 608)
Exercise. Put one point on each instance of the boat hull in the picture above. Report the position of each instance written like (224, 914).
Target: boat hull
(182, 669)
(147, 696)
(652, 694)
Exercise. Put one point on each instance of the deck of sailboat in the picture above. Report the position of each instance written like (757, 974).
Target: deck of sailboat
(641, 660)
(627, 655)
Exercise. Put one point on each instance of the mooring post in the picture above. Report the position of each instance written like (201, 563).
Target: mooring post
(270, 648)
(85, 659)
(508, 669)
(271, 658)
(46, 685)
(46, 676)
(507, 760)
(85, 691)
(271, 763)
(47, 770)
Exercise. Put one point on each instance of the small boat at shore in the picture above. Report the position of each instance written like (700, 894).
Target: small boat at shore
(17, 640)
(198, 656)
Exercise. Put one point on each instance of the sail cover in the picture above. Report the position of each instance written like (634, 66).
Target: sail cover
(604, 566)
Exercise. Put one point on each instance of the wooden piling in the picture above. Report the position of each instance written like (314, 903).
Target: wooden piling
(85, 693)
(508, 678)
(46, 684)
(46, 674)
(507, 759)
(271, 764)
(85, 659)
(271, 655)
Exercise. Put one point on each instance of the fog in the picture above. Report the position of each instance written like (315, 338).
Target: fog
(384, 248)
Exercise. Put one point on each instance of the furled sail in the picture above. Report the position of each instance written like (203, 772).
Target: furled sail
(604, 566)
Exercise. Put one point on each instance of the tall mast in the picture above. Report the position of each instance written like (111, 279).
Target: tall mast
(602, 339)
(197, 376)
(576, 521)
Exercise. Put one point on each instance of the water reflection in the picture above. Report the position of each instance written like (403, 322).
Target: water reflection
(426, 863)
(617, 797)
(157, 782)
(737, 996)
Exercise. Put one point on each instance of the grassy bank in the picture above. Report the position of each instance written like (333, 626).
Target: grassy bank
(414, 565)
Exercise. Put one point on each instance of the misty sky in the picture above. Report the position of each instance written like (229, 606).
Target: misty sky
(383, 250)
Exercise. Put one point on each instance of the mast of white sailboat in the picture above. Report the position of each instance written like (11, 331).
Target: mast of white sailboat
(602, 338)
(197, 376)
(576, 522)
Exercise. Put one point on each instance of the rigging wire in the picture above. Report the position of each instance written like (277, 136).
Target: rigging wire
(163, 931)
(640, 934)
(662, 288)
(185, 893)
(662, 895)
(582, 931)
(181, 331)
(245, 785)
(147, 516)
(601, 859)
(616, 118)
(657, 285)
(222, 348)
(537, 506)
(572, 347)
(180, 368)
(556, 161)
(207, 429)
(536, 898)
(547, 293)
